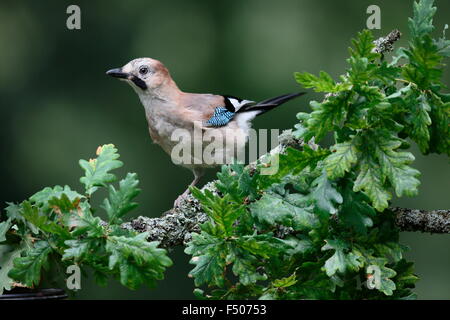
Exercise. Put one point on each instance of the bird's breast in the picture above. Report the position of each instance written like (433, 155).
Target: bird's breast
(177, 131)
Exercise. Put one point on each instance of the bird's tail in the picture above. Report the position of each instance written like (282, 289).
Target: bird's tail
(269, 104)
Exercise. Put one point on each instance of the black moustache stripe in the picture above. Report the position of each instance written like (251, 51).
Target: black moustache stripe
(139, 82)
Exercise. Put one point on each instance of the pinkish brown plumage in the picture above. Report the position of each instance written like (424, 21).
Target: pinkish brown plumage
(169, 111)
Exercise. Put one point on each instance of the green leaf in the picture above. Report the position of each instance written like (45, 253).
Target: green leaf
(244, 266)
(41, 221)
(236, 181)
(387, 73)
(101, 272)
(424, 68)
(343, 157)
(402, 93)
(384, 283)
(394, 165)
(63, 205)
(27, 269)
(14, 212)
(285, 282)
(133, 275)
(443, 44)
(208, 254)
(4, 227)
(440, 130)
(138, 261)
(42, 198)
(370, 180)
(317, 286)
(299, 245)
(294, 161)
(263, 245)
(361, 70)
(97, 171)
(249, 184)
(355, 211)
(405, 277)
(228, 181)
(323, 83)
(7, 255)
(398, 56)
(85, 223)
(77, 249)
(422, 21)
(209, 268)
(420, 120)
(391, 250)
(31, 214)
(362, 57)
(363, 46)
(201, 243)
(381, 160)
(272, 209)
(138, 248)
(222, 211)
(120, 201)
(316, 289)
(340, 260)
(325, 195)
(372, 94)
(324, 117)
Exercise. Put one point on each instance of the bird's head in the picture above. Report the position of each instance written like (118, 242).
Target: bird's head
(145, 75)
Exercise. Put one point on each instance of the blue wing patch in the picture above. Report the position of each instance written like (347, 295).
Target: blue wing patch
(220, 117)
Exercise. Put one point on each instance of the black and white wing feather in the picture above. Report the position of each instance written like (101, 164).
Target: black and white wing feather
(224, 114)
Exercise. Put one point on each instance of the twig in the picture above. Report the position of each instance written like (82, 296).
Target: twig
(386, 44)
(175, 228)
(437, 221)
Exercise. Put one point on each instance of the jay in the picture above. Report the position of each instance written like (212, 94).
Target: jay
(168, 109)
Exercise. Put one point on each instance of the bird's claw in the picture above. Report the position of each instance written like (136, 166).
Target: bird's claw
(181, 198)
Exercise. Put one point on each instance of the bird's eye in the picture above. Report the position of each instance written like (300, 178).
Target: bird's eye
(143, 70)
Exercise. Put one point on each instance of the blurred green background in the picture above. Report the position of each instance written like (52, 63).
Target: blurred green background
(57, 104)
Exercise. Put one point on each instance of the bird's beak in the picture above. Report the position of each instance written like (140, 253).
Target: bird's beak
(117, 73)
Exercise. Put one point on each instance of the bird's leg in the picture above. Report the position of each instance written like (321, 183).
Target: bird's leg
(198, 173)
